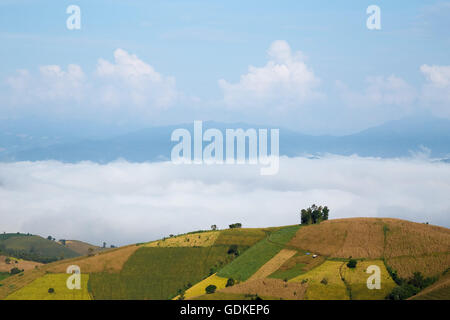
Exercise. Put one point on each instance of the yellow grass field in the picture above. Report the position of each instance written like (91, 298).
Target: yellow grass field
(406, 238)
(273, 264)
(428, 265)
(228, 296)
(357, 237)
(199, 288)
(335, 288)
(357, 279)
(273, 288)
(201, 239)
(38, 289)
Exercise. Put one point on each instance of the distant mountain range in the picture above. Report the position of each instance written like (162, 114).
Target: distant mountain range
(399, 138)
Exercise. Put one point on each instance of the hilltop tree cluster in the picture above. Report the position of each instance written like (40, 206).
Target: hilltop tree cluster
(314, 214)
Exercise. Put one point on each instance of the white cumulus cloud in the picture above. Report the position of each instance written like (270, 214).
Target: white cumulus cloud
(285, 81)
(52, 83)
(126, 84)
(129, 79)
(436, 91)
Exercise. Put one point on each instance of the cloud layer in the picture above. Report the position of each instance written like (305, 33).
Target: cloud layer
(125, 202)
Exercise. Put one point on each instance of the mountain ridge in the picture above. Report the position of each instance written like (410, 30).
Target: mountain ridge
(397, 138)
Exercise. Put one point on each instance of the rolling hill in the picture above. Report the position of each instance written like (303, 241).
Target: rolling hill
(80, 247)
(33, 247)
(291, 262)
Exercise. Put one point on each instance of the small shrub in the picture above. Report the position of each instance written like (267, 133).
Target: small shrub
(230, 282)
(352, 263)
(324, 281)
(233, 249)
(51, 290)
(15, 271)
(210, 289)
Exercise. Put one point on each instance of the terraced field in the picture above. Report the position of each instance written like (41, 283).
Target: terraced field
(324, 282)
(273, 288)
(254, 258)
(271, 263)
(158, 273)
(356, 278)
(407, 246)
(297, 265)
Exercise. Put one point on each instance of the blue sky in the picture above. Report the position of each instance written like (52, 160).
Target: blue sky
(354, 77)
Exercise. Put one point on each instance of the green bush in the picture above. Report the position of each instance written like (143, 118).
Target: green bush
(230, 282)
(210, 289)
(352, 263)
(233, 249)
(403, 292)
(51, 290)
(15, 270)
(410, 287)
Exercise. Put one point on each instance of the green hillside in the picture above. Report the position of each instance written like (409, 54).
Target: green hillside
(34, 248)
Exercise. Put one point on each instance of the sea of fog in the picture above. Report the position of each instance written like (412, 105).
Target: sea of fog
(123, 202)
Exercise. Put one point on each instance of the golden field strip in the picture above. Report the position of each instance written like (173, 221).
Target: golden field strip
(273, 264)
(199, 288)
(38, 289)
(201, 239)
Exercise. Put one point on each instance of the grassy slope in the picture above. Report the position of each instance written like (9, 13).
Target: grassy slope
(244, 237)
(437, 291)
(254, 258)
(4, 275)
(80, 247)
